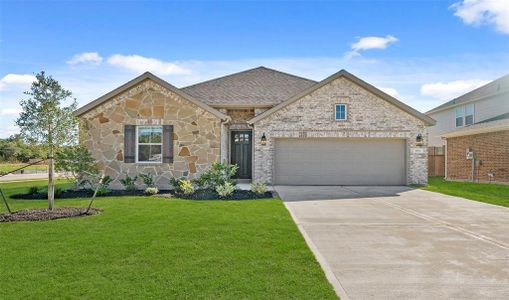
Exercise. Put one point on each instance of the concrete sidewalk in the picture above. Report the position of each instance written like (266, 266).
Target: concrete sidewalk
(399, 243)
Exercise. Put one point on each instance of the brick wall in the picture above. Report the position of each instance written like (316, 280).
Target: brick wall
(368, 117)
(491, 148)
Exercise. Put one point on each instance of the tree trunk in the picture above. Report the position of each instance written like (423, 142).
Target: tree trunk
(51, 182)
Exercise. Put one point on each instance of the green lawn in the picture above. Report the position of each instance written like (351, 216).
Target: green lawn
(10, 167)
(497, 194)
(145, 247)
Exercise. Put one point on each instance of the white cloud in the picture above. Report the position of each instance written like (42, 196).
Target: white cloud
(371, 42)
(10, 111)
(391, 91)
(16, 79)
(8, 131)
(479, 12)
(141, 64)
(452, 89)
(85, 57)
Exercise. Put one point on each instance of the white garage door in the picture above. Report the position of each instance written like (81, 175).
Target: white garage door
(324, 161)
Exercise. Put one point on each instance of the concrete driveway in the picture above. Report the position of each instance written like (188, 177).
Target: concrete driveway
(400, 243)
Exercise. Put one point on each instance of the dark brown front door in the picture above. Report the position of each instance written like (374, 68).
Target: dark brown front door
(241, 152)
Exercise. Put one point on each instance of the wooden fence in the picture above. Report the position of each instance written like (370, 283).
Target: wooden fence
(436, 161)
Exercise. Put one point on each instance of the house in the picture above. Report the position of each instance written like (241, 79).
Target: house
(475, 131)
(277, 127)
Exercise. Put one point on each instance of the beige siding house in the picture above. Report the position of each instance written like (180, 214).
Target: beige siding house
(279, 128)
(474, 128)
(479, 105)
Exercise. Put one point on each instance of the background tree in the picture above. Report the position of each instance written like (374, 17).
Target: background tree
(14, 150)
(46, 121)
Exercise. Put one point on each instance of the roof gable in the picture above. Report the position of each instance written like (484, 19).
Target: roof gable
(343, 73)
(255, 87)
(147, 76)
(497, 86)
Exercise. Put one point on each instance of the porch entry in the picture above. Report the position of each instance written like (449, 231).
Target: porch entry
(241, 152)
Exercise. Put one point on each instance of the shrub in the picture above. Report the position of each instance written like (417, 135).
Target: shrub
(148, 179)
(259, 187)
(33, 190)
(103, 188)
(186, 186)
(182, 186)
(77, 161)
(175, 183)
(151, 190)
(225, 190)
(217, 175)
(129, 183)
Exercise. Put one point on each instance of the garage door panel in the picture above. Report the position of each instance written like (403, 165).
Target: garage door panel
(340, 162)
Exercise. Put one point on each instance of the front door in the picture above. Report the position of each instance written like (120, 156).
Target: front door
(241, 152)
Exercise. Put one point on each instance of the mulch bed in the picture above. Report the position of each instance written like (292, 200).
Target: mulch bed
(46, 214)
(209, 194)
(71, 194)
(206, 194)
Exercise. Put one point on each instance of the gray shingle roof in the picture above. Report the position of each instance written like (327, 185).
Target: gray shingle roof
(499, 117)
(259, 86)
(496, 86)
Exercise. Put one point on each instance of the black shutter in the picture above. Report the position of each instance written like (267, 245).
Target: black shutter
(168, 144)
(129, 143)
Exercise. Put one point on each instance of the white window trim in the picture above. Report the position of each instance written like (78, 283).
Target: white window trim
(137, 145)
(473, 114)
(346, 111)
(464, 117)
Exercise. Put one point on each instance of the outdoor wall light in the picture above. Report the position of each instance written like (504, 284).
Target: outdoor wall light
(419, 141)
(263, 141)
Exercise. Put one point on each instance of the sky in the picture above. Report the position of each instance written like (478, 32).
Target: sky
(422, 52)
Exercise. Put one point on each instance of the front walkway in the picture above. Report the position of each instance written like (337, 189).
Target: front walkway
(399, 243)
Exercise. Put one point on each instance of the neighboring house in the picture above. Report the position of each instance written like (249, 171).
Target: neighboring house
(277, 127)
(481, 104)
(477, 122)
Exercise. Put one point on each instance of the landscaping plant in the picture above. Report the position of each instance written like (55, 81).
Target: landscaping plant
(259, 187)
(186, 186)
(77, 161)
(217, 175)
(225, 190)
(148, 179)
(151, 190)
(46, 122)
(129, 183)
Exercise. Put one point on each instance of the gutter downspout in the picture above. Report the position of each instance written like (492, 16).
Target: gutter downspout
(223, 153)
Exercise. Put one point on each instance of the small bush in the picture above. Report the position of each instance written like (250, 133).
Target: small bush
(175, 183)
(151, 190)
(129, 183)
(217, 175)
(148, 179)
(225, 190)
(186, 186)
(102, 189)
(33, 190)
(259, 187)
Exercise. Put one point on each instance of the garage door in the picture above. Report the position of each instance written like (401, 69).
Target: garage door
(339, 162)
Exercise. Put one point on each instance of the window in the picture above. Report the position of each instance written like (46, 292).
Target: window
(469, 114)
(149, 144)
(464, 115)
(460, 113)
(341, 112)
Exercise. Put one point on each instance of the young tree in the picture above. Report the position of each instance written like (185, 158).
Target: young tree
(46, 121)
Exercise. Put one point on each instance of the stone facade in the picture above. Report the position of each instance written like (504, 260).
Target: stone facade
(368, 117)
(492, 149)
(240, 118)
(196, 138)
